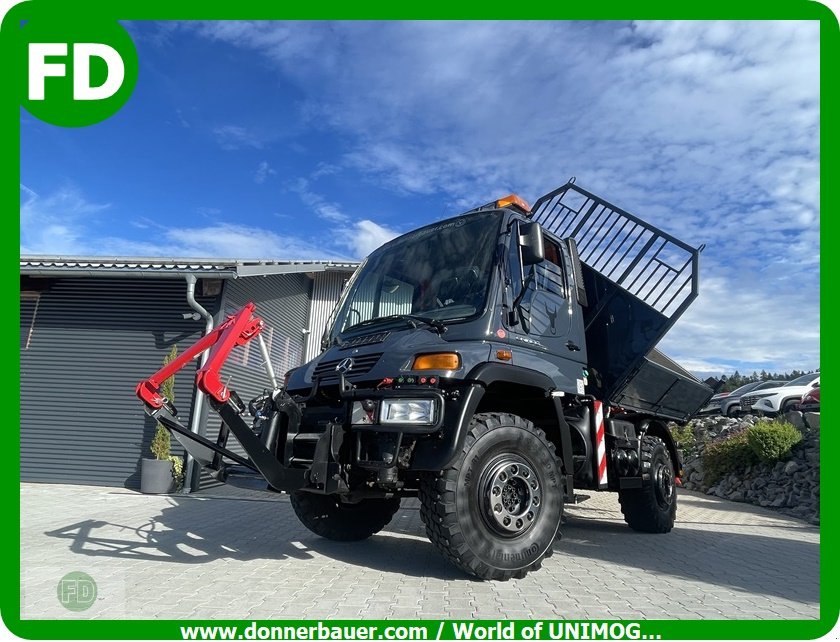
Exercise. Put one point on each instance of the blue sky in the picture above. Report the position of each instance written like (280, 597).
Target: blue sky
(323, 140)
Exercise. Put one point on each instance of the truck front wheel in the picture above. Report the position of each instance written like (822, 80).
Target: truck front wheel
(496, 511)
(652, 508)
(329, 517)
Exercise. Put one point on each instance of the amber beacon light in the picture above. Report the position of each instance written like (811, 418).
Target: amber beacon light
(513, 199)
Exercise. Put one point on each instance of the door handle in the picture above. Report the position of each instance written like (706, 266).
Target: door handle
(571, 345)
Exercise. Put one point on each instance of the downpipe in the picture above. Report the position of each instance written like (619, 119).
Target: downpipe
(195, 420)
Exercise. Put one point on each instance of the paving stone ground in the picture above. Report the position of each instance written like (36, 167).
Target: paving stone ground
(213, 555)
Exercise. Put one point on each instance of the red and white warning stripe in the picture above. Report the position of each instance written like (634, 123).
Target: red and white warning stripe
(600, 445)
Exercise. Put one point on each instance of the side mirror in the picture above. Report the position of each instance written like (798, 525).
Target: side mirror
(531, 243)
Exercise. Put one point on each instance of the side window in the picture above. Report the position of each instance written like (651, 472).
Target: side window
(28, 312)
(550, 275)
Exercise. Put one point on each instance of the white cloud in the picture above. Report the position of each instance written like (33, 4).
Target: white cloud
(363, 237)
(708, 129)
(231, 137)
(63, 224)
(319, 205)
(735, 322)
(56, 222)
(264, 170)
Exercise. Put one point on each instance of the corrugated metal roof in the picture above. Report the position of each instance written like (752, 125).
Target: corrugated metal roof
(172, 267)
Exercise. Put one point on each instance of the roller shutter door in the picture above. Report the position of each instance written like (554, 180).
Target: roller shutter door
(85, 344)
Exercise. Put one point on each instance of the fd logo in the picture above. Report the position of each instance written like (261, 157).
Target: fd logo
(76, 73)
(77, 591)
(39, 69)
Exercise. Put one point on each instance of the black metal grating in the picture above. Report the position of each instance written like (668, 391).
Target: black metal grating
(650, 264)
(361, 365)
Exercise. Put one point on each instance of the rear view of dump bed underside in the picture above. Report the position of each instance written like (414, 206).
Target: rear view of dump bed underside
(638, 281)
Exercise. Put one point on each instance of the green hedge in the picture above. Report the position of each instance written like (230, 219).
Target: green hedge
(765, 441)
(772, 440)
(729, 455)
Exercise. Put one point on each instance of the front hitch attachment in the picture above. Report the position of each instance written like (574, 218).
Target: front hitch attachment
(237, 330)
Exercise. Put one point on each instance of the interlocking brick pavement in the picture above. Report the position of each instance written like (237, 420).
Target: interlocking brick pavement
(247, 557)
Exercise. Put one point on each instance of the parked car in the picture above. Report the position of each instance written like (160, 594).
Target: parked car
(810, 401)
(731, 405)
(773, 401)
(713, 406)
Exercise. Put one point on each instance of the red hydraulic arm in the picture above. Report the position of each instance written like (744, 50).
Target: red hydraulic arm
(238, 329)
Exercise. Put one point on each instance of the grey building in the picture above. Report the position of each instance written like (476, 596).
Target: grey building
(91, 328)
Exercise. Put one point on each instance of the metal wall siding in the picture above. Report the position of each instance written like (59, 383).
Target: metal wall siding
(325, 294)
(282, 302)
(92, 341)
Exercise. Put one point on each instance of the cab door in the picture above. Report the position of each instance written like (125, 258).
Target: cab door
(545, 307)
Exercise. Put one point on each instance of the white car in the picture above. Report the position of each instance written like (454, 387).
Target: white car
(772, 401)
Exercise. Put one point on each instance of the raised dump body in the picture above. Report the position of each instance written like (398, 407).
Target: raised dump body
(638, 281)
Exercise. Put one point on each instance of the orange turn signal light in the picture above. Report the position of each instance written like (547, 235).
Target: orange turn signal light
(513, 199)
(437, 361)
(504, 355)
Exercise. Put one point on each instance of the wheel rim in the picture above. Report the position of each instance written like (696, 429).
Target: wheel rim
(664, 485)
(512, 496)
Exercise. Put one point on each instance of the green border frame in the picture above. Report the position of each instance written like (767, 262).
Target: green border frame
(606, 9)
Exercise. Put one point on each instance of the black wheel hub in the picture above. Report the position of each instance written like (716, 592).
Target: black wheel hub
(511, 496)
(664, 485)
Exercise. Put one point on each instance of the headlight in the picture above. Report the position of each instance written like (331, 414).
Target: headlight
(407, 411)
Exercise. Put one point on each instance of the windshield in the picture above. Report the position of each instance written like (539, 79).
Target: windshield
(745, 388)
(438, 273)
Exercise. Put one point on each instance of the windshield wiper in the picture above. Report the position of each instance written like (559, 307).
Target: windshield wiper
(412, 319)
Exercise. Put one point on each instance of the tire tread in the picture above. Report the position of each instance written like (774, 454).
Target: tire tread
(439, 513)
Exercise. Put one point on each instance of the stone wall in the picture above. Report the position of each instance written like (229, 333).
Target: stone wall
(791, 487)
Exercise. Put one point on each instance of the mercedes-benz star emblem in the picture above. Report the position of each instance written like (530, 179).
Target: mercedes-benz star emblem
(345, 365)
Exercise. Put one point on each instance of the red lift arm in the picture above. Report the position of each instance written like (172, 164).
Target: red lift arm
(238, 329)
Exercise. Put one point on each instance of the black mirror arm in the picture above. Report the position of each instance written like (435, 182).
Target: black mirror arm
(524, 289)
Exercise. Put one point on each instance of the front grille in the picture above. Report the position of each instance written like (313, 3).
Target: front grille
(365, 340)
(747, 402)
(361, 366)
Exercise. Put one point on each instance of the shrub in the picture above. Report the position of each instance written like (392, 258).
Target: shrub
(772, 440)
(729, 455)
(162, 442)
(685, 439)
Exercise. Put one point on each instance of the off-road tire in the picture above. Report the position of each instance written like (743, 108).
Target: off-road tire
(504, 459)
(652, 508)
(327, 516)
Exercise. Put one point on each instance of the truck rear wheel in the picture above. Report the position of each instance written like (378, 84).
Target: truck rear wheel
(329, 517)
(496, 511)
(652, 508)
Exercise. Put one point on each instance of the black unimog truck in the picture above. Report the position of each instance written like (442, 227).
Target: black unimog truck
(490, 364)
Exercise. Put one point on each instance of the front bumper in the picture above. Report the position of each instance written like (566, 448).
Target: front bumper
(764, 405)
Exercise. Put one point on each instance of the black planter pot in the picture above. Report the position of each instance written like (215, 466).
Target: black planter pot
(156, 476)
